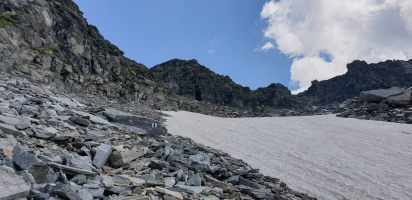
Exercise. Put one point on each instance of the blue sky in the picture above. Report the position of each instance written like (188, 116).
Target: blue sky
(222, 35)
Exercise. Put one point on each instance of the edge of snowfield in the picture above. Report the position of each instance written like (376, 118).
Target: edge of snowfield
(325, 156)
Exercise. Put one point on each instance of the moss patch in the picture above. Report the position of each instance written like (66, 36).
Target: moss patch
(6, 20)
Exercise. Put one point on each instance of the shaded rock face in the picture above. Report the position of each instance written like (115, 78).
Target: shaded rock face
(361, 77)
(50, 41)
(190, 79)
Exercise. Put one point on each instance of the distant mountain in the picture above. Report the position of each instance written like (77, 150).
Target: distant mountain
(51, 42)
(190, 79)
(361, 77)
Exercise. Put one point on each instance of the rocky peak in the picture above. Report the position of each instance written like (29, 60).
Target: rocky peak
(361, 77)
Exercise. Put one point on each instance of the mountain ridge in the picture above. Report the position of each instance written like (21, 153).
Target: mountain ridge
(51, 42)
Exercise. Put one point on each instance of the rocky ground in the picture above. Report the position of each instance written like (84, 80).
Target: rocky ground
(54, 147)
(392, 105)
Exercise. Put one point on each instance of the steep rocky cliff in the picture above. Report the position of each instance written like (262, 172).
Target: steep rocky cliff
(50, 41)
(361, 77)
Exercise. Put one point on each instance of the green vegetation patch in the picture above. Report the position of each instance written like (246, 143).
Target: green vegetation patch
(6, 20)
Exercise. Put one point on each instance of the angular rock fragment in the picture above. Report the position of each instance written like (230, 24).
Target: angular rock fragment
(72, 170)
(66, 192)
(23, 124)
(12, 187)
(79, 121)
(102, 155)
(121, 156)
(177, 195)
(9, 129)
(107, 181)
(93, 118)
(23, 159)
(84, 194)
(201, 161)
(80, 162)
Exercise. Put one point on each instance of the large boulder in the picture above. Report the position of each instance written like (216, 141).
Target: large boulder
(393, 95)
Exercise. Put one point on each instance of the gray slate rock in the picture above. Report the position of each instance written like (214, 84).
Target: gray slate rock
(12, 187)
(102, 155)
(9, 129)
(23, 159)
(393, 95)
(195, 180)
(84, 194)
(77, 161)
(153, 127)
(79, 121)
(23, 124)
(121, 156)
(66, 192)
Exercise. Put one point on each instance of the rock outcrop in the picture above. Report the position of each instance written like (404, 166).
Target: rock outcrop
(393, 105)
(194, 81)
(50, 42)
(361, 77)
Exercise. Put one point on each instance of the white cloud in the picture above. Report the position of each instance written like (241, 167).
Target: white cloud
(267, 46)
(344, 30)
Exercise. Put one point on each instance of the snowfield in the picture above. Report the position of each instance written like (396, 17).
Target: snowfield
(325, 156)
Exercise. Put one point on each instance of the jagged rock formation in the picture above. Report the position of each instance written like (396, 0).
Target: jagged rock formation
(361, 77)
(393, 105)
(192, 80)
(50, 41)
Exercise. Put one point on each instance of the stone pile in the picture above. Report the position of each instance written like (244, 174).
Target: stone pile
(392, 105)
(53, 147)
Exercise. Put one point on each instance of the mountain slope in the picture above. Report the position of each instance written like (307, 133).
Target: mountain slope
(50, 41)
(190, 79)
(361, 77)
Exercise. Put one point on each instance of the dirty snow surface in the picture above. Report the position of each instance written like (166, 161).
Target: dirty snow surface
(325, 156)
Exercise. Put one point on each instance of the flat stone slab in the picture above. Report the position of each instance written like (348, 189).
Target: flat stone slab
(93, 118)
(12, 187)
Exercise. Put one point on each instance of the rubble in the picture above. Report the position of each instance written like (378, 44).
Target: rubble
(68, 153)
(392, 105)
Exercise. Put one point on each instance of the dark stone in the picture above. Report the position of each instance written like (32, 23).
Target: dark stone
(23, 159)
(79, 179)
(151, 126)
(43, 174)
(79, 121)
(65, 192)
